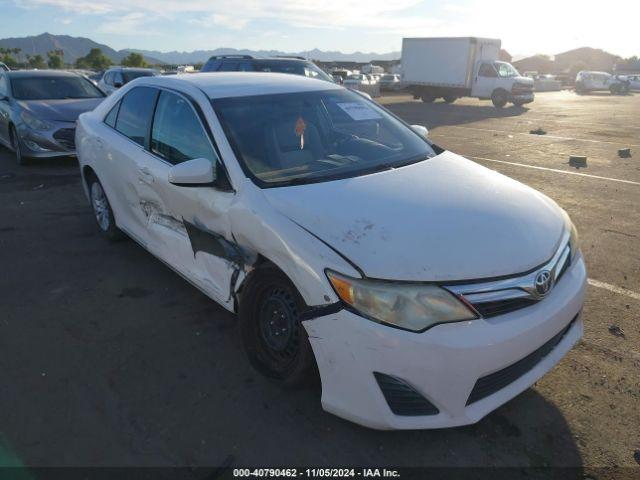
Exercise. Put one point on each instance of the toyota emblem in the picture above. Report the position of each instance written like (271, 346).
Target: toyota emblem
(543, 283)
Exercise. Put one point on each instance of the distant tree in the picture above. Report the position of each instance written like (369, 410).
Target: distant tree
(134, 60)
(36, 61)
(94, 60)
(7, 59)
(55, 59)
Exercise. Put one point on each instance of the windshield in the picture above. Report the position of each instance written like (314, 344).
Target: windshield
(506, 69)
(306, 137)
(53, 88)
(308, 69)
(133, 74)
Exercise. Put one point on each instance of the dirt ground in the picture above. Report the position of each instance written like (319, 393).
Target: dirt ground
(109, 358)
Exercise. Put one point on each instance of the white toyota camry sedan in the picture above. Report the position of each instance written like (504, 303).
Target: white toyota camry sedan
(427, 289)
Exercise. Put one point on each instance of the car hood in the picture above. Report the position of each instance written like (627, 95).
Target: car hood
(442, 219)
(60, 110)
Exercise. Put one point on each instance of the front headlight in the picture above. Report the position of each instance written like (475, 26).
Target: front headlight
(574, 244)
(410, 306)
(34, 122)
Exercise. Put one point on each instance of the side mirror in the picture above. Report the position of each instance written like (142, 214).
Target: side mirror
(420, 130)
(192, 173)
(117, 84)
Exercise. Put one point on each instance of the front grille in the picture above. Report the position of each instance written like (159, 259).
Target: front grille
(500, 307)
(493, 382)
(66, 137)
(402, 398)
(522, 89)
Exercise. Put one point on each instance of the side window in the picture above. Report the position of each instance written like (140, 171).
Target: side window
(136, 108)
(177, 134)
(4, 90)
(227, 66)
(110, 119)
(245, 67)
(107, 78)
(487, 70)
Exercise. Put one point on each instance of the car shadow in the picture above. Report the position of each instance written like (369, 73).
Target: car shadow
(439, 113)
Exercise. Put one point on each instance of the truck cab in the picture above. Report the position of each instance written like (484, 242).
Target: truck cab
(502, 83)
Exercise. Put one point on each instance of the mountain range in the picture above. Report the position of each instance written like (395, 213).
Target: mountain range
(75, 47)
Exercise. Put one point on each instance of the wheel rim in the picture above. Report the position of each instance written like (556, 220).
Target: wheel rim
(100, 206)
(279, 329)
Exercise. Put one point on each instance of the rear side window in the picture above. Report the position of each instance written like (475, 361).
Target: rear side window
(110, 119)
(135, 112)
(177, 134)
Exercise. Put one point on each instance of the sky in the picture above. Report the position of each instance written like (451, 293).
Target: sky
(525, 27)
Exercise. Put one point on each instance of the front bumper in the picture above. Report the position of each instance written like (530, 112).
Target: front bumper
(521, 98)
(57, 142)
(444, 363)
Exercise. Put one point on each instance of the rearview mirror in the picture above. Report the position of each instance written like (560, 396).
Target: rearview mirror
(420, 130)
(192, 173)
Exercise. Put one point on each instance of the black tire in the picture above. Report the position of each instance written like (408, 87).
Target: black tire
(428, 97)
(102, 210)
(614, 89)
(450, 98)
(272, 334)
(499, 98)
(15, 144)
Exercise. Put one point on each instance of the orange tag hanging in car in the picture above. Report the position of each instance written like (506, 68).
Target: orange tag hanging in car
(300, 128)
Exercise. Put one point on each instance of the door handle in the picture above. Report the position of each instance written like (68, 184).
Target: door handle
(145, 176)
(99, 143)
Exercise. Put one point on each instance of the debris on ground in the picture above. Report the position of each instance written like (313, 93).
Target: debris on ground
(624, 153)
(636, 456)
(578, 161)
(538, 131)
(616, 330)
(38, 187)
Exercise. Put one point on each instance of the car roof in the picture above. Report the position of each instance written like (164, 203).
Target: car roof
(41, 73)
(132, 69)
(241, 84)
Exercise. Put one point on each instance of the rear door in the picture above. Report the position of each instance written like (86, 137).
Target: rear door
(186, 226)
(129, 122)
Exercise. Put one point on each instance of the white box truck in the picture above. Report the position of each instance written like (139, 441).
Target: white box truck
(461, 67)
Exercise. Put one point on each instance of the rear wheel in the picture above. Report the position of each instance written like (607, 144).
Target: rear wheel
(15, 144)
(499, 98)
(272, 334)
(102, 210)
(450, 98)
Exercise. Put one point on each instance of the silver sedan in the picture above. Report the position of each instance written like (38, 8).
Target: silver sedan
(39, 109)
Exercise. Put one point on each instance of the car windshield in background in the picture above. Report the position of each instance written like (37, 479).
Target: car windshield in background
(506, 70)
(307, 137)
(53, 88)
(295, 67)
(133, 74)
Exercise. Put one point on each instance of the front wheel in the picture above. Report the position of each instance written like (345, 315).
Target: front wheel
(102, 211)
(15, 143)
(499, 98)
(272, 333)
(450, 98)
(428, 97)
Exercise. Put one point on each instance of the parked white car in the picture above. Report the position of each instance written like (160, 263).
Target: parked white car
(634, 82)
(356, 79)
(116, 77)
(427, 289)
(600, 81)
(390, 81)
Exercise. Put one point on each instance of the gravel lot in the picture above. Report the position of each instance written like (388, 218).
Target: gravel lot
(109, 358)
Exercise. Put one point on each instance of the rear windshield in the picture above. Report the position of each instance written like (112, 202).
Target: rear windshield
(133, 74)
(295, 67)
(307, 137)
(53, 88)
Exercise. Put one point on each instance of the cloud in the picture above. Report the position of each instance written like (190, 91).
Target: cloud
(134, 23)
(384, 15)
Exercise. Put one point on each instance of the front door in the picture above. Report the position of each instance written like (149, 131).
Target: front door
(5, 110)
(186, 226)
(485, 81)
